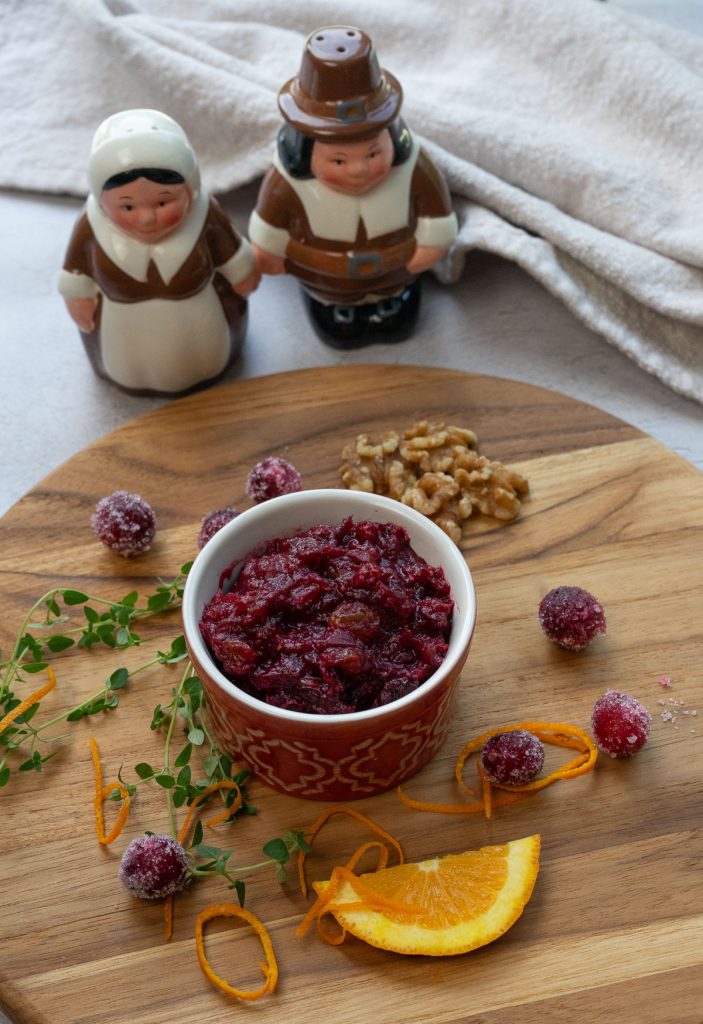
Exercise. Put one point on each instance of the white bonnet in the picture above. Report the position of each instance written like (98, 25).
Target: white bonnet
(140, 138)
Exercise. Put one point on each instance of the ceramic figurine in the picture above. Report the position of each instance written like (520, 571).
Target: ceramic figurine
(155, 275)
(352, 206)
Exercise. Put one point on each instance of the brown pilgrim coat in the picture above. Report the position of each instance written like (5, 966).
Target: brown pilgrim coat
(335, 270)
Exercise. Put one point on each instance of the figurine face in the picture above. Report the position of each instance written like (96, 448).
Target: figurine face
(147, 210)
(353, 167)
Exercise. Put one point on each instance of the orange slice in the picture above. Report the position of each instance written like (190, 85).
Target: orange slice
(437, 907)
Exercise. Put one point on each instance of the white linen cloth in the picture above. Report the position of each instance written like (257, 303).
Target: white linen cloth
(569, 131)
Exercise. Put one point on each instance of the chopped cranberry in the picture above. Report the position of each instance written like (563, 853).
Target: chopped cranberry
(333, 620)
(154, 866)
(512, 758)
(571, 617)
(270, 478)
(213, 522)
(620, 724)
(125, 522)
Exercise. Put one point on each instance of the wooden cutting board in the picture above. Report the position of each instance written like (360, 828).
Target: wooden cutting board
(613, 931)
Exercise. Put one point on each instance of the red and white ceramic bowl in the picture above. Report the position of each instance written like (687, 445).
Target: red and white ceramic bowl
(328, 757)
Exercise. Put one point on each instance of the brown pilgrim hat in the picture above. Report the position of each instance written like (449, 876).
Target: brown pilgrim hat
(340, 92)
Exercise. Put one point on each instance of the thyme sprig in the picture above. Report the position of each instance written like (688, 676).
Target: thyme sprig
(183, 724)
(192, 761)
(49, 628)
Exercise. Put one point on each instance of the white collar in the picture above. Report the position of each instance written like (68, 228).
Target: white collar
(335, 215)
(133, 257)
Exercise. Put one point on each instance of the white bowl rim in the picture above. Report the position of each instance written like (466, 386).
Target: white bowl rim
(202, 562)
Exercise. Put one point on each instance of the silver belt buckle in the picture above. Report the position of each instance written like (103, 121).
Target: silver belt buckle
(360, 259)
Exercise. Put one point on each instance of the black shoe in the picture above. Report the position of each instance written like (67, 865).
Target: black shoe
(394, 319)
(338, 326)
(348, 327)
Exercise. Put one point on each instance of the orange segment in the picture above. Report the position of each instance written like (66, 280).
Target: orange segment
(441, 906)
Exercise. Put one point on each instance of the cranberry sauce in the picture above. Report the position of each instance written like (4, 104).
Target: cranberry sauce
(333, 620)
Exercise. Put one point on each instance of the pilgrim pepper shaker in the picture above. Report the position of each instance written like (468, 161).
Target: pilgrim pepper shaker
(352, 207)
(155, 275)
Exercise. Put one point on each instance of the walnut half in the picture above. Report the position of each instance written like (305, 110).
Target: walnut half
(434, 469)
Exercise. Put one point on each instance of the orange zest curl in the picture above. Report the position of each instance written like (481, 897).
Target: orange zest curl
(228, 811)
(28, 702)
(369, 899)
(485, 791)
(358, 854)
(472, 808)
(559, 734)
(320, 907)
(101, 794)
(314, 829)
(168, 918)
(268, 969)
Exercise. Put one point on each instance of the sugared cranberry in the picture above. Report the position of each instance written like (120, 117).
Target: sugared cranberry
(620, 724)
(571, 617)
(125, 522)
(270, 478)
(213, 522)
(512, 758)
(154, 866)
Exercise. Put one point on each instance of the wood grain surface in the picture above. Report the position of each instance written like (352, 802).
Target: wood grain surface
(613, 931)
